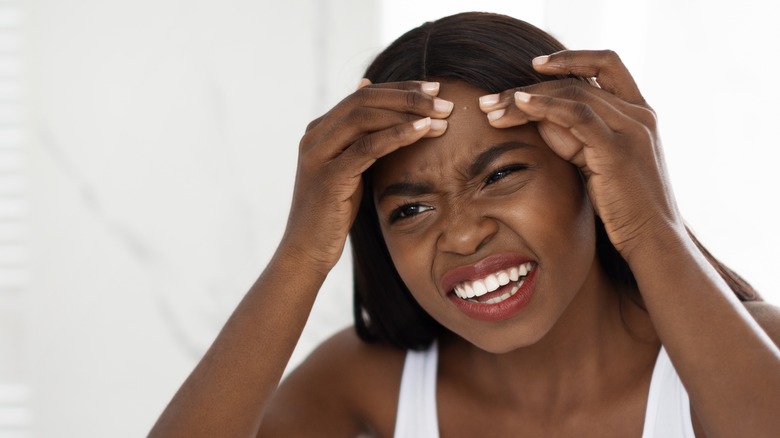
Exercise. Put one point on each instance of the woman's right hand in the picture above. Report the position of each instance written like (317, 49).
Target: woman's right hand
(242, 369)
(338, 147)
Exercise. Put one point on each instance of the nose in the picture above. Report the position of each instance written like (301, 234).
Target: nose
(464, 231)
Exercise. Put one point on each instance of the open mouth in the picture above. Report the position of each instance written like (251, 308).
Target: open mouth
(496, 287)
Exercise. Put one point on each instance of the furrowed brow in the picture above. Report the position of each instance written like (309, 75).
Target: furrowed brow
(405, 189)
(489, 155)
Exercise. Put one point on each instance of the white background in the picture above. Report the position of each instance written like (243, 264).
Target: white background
(162, 146)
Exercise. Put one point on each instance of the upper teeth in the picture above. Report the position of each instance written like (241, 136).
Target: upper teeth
(477, 288)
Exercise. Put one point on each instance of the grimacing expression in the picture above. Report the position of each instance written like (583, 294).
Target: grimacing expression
(479, 193)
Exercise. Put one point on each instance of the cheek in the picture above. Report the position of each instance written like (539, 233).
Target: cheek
(413, 260)
(570, 223)
(409, 260)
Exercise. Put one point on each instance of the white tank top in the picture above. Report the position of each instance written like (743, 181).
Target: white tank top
(668, 412)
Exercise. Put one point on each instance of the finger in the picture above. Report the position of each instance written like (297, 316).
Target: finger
(618, 113)
(573, 85)
(500, 109)
(430, 88)
(413, 101)
(333, 138)
(604, 65)
(369, 148)
(313, 124)
(492, 102)
(587, 122)
(506, 113)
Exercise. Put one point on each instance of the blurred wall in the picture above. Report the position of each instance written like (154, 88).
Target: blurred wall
(163, 151)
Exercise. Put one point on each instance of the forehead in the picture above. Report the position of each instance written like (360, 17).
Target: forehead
(467, 134)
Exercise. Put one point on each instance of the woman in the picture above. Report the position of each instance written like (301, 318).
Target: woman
(521, 268)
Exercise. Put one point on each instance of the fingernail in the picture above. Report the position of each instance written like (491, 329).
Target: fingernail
(539, 60)
(422, 124)
(522, 97)
(438, 125)
(363, 83)
(495, 115)
(431, 88)
(442, 106)
(488, 100)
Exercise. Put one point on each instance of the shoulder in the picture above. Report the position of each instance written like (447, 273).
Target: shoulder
(356, 361)
(767, 316)
(343, 385)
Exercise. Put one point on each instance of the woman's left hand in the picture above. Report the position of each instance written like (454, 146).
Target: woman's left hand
(720, 352)
(608, 131)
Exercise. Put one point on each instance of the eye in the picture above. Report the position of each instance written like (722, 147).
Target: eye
(504, 172)
(408, 210)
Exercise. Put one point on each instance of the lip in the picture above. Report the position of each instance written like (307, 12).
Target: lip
(481, 269)
(503, 310)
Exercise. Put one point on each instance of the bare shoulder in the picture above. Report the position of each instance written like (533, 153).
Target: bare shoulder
(767, 316)
(345, 387)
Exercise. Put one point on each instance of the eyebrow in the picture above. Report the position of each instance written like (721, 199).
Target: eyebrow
(409, 189)
(483, 160)
(489, 155)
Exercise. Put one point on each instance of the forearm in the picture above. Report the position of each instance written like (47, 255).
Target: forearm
(226, 393)
(730, 367)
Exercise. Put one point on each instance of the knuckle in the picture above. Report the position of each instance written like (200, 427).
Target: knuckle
(543, 100)
(509, 95)
(362, 96)
(398, 132)
(646, 137)
(649, 118)
(308, 143)
(611, 56)
(583, 113)
(571, 82)
(314, 123)
(363, 145)
(637, 138)
(413, 100)
(309, 162)
(356, 116)
(572, 90)
(307, 165)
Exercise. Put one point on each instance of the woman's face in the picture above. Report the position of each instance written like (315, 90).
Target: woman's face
(491, 231)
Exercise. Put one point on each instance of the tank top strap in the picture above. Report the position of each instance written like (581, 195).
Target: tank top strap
(417, 415)
(668, 413)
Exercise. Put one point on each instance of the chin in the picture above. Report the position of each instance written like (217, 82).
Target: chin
(501, 343)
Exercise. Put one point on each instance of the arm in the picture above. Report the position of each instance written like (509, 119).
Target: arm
(727, 361)
(228, 391)
(767, 316)
(729, 365)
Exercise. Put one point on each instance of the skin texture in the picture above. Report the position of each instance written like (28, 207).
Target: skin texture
(577, 360)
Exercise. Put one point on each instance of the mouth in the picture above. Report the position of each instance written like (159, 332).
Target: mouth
(496, 287)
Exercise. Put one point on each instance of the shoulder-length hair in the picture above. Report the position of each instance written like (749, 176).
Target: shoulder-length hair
(492, 52)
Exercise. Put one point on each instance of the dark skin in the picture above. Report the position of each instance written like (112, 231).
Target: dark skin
(568, 365)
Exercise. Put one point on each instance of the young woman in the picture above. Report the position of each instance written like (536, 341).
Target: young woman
(521, 268)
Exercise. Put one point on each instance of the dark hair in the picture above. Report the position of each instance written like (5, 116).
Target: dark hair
(492, 52)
